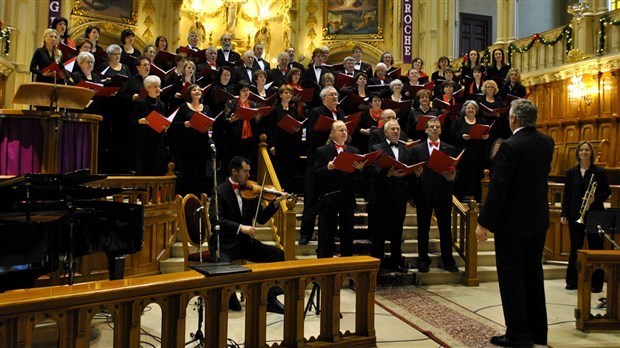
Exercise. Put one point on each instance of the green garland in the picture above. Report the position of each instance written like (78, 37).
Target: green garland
(601, 33)
(5, 34)
(566, 33)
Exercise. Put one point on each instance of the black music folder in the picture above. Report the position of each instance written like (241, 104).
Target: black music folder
(220, 268)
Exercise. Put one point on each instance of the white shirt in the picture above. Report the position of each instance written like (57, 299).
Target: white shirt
(238, 194)
(394, 149)
(317, 73)
(261, 63)
(431, 148)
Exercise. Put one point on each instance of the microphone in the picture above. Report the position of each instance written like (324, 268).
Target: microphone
(212, 146)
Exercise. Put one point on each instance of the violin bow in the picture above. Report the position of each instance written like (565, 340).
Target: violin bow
(260, 197)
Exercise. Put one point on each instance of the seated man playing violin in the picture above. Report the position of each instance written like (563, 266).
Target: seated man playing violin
(237, 218)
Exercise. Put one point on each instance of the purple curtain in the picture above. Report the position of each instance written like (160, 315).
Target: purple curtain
(21, 146)
(74, 146)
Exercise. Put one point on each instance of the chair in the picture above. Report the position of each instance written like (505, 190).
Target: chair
(191, 217)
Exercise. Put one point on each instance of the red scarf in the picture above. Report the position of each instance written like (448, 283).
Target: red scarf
(376, 117)
(246, 131)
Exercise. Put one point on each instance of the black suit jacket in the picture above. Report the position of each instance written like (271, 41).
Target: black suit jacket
(365, 67)
(277, 76)
(240, 74)
(517, 198)
(308, 79)
(431, 186)
(377, 136)
(231, 217)
(317, 139)
(575, 187)
(334, 180)
(232, 57)
(391, 190)
(257, 67)
(296, 65)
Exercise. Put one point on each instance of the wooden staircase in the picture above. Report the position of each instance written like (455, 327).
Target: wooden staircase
(486, 253)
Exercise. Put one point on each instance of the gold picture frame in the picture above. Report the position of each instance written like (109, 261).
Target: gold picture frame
(352, 19)
(122, 11)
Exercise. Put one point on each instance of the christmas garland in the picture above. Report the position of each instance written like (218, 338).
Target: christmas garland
(5, 34)
(601, 33)
(566, 33)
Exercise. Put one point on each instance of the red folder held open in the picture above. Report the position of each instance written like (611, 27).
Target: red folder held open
(344, 160)
(304, 95)
(247, 114)
(386, 161)
(202, 122)
(100, 90)
(440, 162)
(60, 73)
(423, 120)
(290, 125)
(478, 130)
(159, 122)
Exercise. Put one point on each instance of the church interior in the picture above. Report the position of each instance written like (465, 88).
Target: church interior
(567, 54)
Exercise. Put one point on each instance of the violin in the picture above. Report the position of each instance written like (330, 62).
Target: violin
(252, 190)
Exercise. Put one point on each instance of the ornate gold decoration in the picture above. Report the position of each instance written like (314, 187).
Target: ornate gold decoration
(148, 9)
(311, 22)
(576, 55)
(132, 20)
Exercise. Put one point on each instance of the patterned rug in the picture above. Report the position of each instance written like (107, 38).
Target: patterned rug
(443, 321)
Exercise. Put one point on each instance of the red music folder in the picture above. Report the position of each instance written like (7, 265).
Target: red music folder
(208, 73)
(394, 74)
(496, 111)
(386, 161)
(510, 97)
(423, 120)
(143, 93)
(323, 124)
(202, 122)
(221, 96)
(440, 162)
(344, 160)
(157, 71)
(413, 90)
(60, 73)
(69, 64)
(400, 108)
(354, 99)
(459, 94)
(410, 144)
(247, 114)
(263, 101)
(206, 89)
(68, 52)
(290, 125)
(100, 90)
(184, 88)
(164, 59)
(451, 109)
(343, 80)
(353, 117)
(478, 130)
(158, 122)
(303, 95)
(196, 54)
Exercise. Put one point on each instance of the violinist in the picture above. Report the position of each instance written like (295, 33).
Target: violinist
(237, 218)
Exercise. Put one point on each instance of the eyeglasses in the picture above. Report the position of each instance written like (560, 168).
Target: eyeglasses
(434, 127)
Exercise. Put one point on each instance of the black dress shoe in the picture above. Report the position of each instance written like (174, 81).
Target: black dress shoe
(304, 241)
(275, 307)
(503, 341)
(423, 268)
(233, 303)
(570, 287)
(452, 269)
(399, 269)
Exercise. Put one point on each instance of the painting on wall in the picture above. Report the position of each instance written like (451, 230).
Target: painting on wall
(353, 17)
(113, 10)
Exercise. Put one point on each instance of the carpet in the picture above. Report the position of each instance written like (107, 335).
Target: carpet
(443, 321)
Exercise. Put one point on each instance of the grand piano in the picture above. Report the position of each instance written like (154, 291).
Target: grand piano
(48, 221)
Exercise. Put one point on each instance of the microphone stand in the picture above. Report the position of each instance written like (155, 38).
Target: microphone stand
(216, 232)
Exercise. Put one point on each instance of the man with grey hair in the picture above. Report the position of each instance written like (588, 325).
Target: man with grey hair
(329, 109)
(390, 191)
(225, 55)
(246, 71)
(278, 73)
(517, 212)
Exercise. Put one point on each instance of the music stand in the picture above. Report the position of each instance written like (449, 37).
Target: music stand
(608, 220)
(50, 95)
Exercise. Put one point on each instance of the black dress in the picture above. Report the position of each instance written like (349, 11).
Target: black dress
(220, 127)
(367, 121)
(473, 162)
(286, 159)
(412, 122)
(499, 75)
(516, 90)
(191, 153)
(236, 143)
(150, 145)
(501, 128)
(40, 60)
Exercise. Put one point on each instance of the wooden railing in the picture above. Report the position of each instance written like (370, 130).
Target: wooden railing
(73, 307)
(464, 223)
(283, 222)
